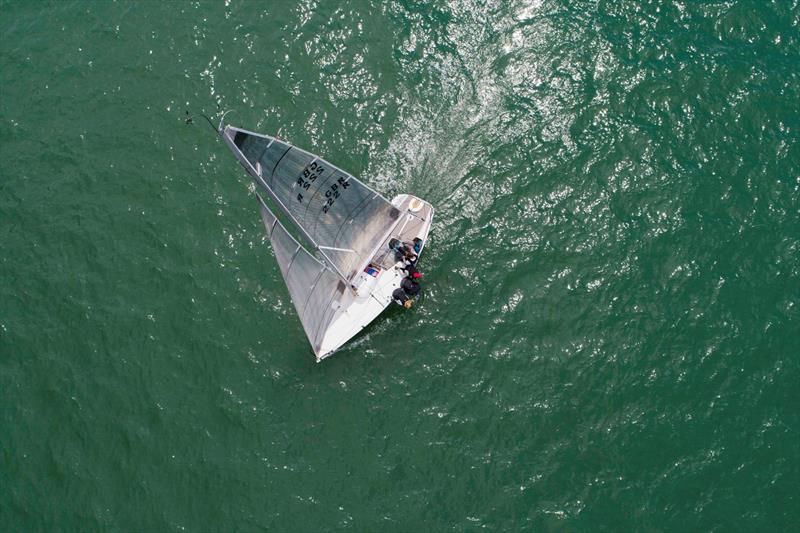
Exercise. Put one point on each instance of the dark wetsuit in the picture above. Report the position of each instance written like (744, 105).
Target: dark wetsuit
(399, 296)
(410, 286)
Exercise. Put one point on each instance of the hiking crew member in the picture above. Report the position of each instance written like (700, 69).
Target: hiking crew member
(401, 298)
(410, 287)
(411, 271)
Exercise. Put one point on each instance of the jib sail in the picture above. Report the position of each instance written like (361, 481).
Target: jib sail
(315, 289)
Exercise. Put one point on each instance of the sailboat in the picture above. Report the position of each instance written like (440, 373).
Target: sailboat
(343, 274)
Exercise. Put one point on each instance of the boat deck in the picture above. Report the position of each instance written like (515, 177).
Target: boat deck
(414, 222)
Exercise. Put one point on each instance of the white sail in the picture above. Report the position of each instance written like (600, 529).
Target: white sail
(315, 290)
(341, 217)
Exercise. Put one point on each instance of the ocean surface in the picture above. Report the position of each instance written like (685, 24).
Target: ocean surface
(610, 334)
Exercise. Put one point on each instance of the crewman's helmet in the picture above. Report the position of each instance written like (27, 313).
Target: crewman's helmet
(407, 304)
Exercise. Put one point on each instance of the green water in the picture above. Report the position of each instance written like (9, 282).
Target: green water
(610, 337)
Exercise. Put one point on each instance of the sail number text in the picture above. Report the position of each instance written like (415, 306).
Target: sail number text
(310, 175)
(307, 177)
(333, 192)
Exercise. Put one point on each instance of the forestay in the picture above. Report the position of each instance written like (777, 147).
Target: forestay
(315, 290)
(344, 219)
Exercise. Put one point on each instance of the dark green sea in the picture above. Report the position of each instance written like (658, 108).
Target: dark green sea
(610, 334)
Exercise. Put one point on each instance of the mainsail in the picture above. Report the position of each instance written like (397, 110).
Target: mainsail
(344, 221)
(342, 218)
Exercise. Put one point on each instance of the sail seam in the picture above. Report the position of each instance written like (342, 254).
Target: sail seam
(351, 215)
(310, 201)
(272, 176)
(263, 205)
(260, 180)
(320, 187)
(263, 136)
(294, 255)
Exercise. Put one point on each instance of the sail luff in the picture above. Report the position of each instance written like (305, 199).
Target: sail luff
(256, 175)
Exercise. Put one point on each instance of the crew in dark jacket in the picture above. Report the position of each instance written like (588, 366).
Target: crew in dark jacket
(410, 287)
(401, 298)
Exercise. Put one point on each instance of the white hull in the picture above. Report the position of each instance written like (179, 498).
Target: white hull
(358, 310)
